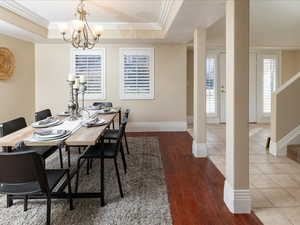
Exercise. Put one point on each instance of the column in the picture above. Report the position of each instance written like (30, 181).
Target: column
(199, 132)
(236, 188)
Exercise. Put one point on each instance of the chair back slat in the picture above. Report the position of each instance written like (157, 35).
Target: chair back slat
(12, 126)
(103, 104)
(121, 132)
(126, 114)
(41, 115)
(22, 167)
(125, 118)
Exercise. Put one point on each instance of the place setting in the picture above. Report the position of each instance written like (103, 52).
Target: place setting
(48, 122)
(48, 134)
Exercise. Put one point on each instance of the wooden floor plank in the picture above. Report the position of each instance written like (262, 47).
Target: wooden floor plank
(195, 186)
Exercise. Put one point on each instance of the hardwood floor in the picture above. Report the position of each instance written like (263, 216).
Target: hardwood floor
(195, 186)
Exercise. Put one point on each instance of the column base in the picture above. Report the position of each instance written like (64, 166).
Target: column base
(199, 150)
(278, 149)
(237, 201)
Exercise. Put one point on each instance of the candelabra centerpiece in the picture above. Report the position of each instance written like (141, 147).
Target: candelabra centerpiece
(77, 86)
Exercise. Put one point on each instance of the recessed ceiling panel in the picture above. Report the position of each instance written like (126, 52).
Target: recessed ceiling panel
(107, 11)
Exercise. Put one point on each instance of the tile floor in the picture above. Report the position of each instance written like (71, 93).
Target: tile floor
(274, 181)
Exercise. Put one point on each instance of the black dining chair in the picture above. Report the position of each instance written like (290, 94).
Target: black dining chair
(112, 134)
(103, 104)
(41, 115)
(104, 151)
(23, 174)
(11, 126)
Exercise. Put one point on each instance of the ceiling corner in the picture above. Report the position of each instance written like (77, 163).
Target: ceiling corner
(20, 10)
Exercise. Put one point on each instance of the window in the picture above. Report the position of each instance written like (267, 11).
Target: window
(269, 82)
(137, 73)
(91, 64)
(211, 92)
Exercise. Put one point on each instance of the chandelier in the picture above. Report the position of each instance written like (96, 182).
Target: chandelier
(83, 35)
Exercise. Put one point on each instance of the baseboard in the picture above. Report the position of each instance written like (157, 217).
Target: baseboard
(237, 201)
(280, 148)
(199, 150)
(209, 119)
(156, 126)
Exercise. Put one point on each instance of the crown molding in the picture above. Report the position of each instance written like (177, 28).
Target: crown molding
(116, 26)
(165, 10)
(24, 12)
(169, 11)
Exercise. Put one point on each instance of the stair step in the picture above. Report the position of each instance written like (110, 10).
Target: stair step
(293, 152)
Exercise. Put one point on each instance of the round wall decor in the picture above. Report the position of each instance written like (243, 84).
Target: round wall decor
(7, 63)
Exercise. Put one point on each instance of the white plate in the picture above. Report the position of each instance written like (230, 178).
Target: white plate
(48, 138)
(63, 114)
(107, 112)
(98, 123)
(38, 125)
(50, 133)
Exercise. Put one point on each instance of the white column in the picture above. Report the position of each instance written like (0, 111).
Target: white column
(199, 132)
(236, 188)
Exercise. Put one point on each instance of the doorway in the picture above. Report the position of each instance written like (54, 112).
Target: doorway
(263, 80)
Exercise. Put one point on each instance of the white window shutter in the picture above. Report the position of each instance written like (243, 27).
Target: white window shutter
(137, 73)
(269, 82)
(91, 64)
(211, 85)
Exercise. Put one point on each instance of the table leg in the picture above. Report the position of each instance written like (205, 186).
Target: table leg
(120, 115)
(69, 156)
(102, 176)
(9, 199)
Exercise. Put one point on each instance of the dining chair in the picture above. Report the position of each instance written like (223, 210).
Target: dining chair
(23, 174)
(14, 125)
(103, 104)
(104, 151)
(41, 115)
(111, 134)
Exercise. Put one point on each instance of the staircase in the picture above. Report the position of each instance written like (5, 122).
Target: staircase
(293, 152)
(285, 118)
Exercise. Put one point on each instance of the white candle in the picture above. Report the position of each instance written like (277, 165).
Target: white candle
(82, 79)
(76, 85)
(71, 77)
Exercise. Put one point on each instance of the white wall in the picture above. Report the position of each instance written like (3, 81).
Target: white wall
(166, 111)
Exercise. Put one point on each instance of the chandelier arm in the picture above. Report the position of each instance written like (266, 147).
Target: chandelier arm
(92, 46)
(66, 39)
(85, 35)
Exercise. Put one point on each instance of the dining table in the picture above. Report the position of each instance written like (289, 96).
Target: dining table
(82, 137)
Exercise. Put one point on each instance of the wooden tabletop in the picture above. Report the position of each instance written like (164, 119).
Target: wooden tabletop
(82, 137)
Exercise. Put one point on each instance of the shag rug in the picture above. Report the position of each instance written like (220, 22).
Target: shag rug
(145, 199)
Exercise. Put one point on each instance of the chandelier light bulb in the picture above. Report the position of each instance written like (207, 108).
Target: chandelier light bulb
(78, 24)
(98, 30)
(63, 27)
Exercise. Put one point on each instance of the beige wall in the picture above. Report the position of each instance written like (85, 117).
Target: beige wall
(286, 115)
(17, 94)
(190, 83)
(290, 64)
(53, 65)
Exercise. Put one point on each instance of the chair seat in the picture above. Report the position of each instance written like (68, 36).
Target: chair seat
(111, 134)
(43, 151)
(109, 151)
(53, 177)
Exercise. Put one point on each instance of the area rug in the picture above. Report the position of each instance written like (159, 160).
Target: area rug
(145, 199)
